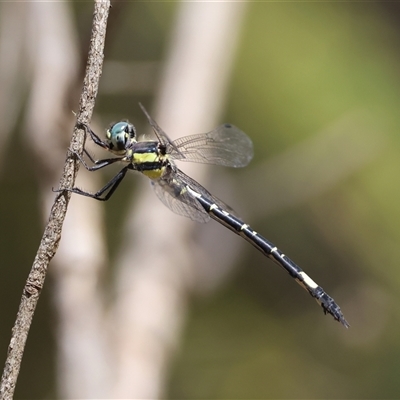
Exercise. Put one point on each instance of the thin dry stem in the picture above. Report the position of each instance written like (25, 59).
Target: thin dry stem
(52, 233)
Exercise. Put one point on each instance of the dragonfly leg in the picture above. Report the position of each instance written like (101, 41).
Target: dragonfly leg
(98, 164)
(94, 137)
(111, 186)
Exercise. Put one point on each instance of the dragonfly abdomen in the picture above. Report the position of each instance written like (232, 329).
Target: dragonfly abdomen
(271, 251)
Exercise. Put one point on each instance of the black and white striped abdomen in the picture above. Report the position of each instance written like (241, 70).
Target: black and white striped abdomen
(271, 251)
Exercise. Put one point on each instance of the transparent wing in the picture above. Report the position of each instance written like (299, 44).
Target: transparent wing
(174, 195)
(161, 135)
(226, 145)
(172, 191)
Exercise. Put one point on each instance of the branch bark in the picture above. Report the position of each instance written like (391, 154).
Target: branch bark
(52, 233)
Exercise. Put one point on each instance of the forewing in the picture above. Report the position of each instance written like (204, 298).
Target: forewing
(226, 145)
(161, 135)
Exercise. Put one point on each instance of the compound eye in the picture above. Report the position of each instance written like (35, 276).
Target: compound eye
(118, 136)
(130, 130)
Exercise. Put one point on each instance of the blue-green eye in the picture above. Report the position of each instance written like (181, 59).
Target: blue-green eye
(120, 134)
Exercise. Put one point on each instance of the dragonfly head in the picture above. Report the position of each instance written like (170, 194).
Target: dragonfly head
(120, 135)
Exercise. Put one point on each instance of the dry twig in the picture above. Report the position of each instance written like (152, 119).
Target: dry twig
(52, 233)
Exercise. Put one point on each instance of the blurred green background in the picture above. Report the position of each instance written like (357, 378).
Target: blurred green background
(299, 68)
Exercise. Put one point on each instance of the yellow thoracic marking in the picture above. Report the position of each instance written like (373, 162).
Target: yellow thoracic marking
(152, 157)
(213, 207)
(154, 173)
(139, 158)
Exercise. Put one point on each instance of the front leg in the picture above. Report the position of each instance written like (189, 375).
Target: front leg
(98, 164)
(94, 137)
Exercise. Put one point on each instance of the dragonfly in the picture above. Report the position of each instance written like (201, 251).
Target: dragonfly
(227, 146)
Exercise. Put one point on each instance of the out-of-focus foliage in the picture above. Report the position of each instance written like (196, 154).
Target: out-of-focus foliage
(300, 68)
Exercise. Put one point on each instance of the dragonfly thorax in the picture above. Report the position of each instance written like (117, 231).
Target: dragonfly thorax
(148, 158)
